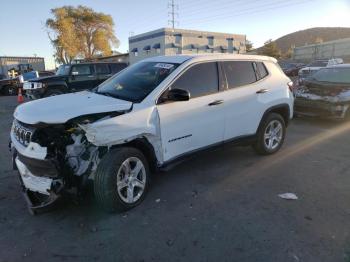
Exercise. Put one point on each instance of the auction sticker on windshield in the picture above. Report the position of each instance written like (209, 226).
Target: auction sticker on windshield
(165, 66)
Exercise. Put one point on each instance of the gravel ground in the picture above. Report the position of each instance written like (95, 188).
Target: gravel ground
(219, 206)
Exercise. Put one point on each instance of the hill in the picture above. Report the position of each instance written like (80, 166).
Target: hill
(309, 36)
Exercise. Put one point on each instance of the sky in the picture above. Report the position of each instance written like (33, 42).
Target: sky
(23, 33)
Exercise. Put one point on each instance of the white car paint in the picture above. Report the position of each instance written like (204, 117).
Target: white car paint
(60, 109)
(160, 124)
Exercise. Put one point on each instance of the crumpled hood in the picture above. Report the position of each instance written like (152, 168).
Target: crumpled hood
(60, 109)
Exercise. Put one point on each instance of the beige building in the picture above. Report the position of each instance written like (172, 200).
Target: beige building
(9, 62)
(168, 41)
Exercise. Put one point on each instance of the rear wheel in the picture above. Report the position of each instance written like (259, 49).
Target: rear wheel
(122, 179)
(271, 134)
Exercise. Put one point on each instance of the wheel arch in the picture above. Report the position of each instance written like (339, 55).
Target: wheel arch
(281, 109)
(145, 147)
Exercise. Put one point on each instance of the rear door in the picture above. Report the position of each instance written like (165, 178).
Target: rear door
(243, 109)
(82, 77)
(103, 72)
(199, 122)
(117, 67)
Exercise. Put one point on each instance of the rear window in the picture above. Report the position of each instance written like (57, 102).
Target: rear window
(239, 73)
(115, 68)
(102, 69)
(334, 75)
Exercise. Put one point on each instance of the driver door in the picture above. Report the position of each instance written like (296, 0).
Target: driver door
(82, 77)
(199, 122)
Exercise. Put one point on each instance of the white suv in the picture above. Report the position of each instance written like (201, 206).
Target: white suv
(144, 118)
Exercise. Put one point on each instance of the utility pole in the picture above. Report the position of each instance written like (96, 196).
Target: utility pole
(172, 13)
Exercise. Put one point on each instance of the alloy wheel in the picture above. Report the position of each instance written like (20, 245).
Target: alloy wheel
(131, 180)
(273, 134)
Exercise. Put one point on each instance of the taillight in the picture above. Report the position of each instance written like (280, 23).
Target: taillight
(290, 86)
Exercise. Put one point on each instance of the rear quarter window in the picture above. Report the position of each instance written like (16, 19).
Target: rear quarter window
(261, 70)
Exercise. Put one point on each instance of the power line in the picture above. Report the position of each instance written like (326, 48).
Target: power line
(172, 12)
(223, 6)
(247, 11)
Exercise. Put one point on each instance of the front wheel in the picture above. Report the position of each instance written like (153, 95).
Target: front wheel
(271, 134)
(122, 179)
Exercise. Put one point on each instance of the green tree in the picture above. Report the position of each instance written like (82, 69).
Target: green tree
(80, 32)
(270, 49)
(288, 54)
(248, 45)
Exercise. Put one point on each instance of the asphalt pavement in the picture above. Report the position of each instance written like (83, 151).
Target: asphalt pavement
(220, 206)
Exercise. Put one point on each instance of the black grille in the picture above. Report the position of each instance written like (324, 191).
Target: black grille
(21, 133)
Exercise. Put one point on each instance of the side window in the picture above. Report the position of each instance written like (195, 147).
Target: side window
(261, 70)
(102, 69)
(81, 70)
(239, 73)
(115, 68)
(199, 80)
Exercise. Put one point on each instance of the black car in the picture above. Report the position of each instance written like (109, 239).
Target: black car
(326, 93)
(292, 69)
(10, 86)
(72, 78)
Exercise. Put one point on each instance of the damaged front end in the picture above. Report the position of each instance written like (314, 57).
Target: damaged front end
(322, 100)
(55, 160)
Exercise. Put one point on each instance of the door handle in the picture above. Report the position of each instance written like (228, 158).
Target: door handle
(90, 76)
(262, 91)
(216, 102)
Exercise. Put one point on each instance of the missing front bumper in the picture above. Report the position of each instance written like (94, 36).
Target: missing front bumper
(41, 193)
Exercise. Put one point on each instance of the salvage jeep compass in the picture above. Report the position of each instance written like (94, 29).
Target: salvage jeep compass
(144, 118)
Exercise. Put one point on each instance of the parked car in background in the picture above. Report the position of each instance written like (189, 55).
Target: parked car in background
(292, 69)
(316, 65)
(72, 78)
(10, 86)
(326, 93)
(147, 117)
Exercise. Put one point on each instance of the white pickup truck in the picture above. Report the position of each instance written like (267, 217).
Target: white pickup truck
(315, 66)
(146, 117)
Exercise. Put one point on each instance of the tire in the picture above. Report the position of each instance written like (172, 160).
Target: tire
(113, 184)
(263, 144)
(53, 92)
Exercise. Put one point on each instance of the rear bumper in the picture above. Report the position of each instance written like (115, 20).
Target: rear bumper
(318, 108)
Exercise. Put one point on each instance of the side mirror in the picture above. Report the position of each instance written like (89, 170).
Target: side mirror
(177, 94)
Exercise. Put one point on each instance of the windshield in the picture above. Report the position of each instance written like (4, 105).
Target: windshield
(318, 64)
(63, 70)
(334, 75)
(136, 82)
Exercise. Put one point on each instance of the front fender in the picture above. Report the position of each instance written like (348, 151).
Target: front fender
(143, 123)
